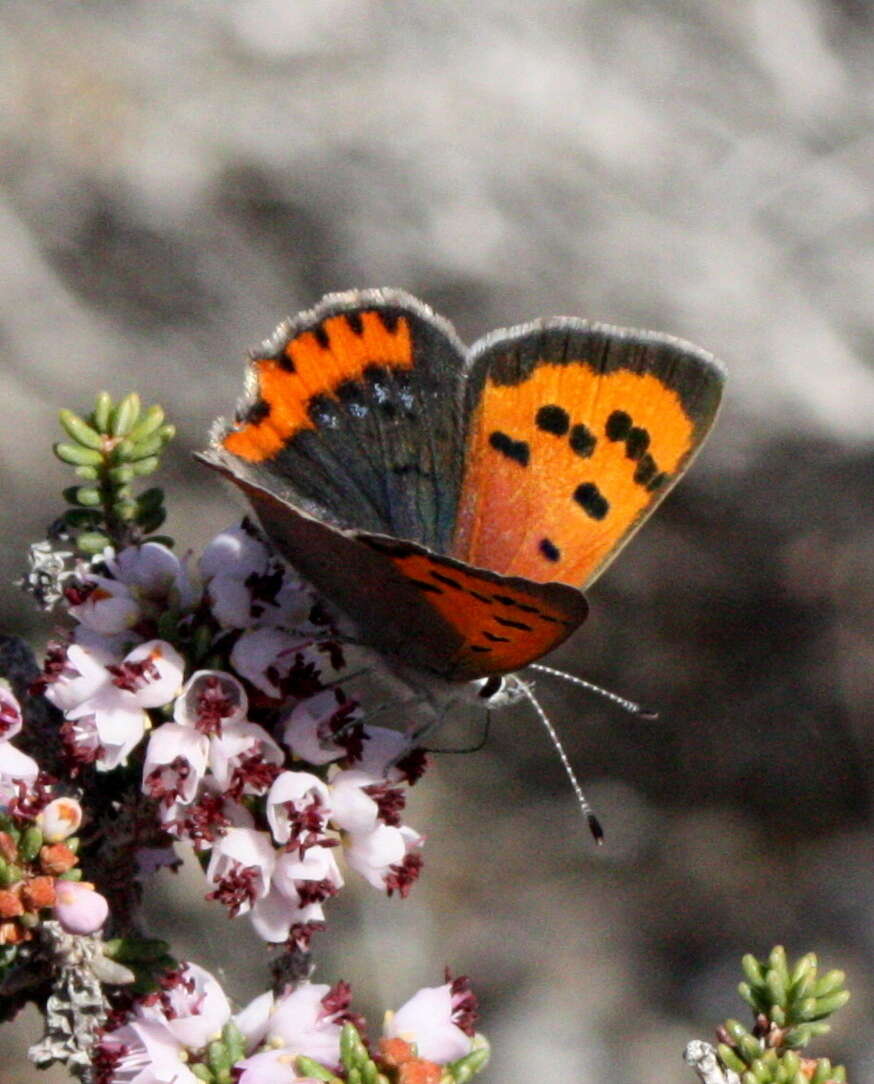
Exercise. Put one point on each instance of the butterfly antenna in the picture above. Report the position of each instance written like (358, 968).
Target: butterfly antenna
(630, 706)
(586, 809)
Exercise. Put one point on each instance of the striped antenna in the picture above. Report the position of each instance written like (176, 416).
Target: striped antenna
(630, 706)
(586, 809)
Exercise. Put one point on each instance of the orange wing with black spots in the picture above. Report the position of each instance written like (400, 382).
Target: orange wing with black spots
(575, 433)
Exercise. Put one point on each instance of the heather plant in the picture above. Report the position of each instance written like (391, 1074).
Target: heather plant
(213, 704)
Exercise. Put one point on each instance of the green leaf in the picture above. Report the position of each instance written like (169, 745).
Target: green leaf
(304, 1066)
(124, 416)
(80, 430)
(145, 466)
(92, 542)
(102, 411)
(77, 456)
(466, 1068)
(825, 1006)
(830, 981)
(88, 474)
(148, 424)
(151, 499)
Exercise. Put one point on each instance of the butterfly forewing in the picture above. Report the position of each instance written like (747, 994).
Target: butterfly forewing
(354, 413)
(575, 433)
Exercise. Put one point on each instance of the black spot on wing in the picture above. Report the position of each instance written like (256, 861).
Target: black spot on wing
(591, 500)
(441, 577)
(552, 419)
(549, 549)
(356, 325)
(637, 442)
(517, 450)
(582, 441)
(423, 585)
(492, 638)
(618, 425)
(257, 412)
(321, 336)
(507, 623)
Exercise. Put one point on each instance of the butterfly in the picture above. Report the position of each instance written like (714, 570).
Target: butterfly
(455, 501)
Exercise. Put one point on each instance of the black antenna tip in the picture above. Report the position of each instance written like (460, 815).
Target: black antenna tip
(595, 828)
(650, 714)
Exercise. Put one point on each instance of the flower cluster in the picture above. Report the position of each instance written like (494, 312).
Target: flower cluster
(186, 1032)
(39, 872)
(256, 755)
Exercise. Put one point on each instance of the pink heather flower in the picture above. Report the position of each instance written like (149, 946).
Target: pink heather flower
(102, 604)
(207, 818)
(244, 759)
(272, 1067)
(154, 575)
(241, 867)
(209, 700)
(266, 656)
(72, 675)
(176, 760)
(254, 1020)
(78, 907)
(386, 857)
(438, 1019)
(309, 729)
(380, 749)
(192, 1006)
(60, 819)
(10, 714)
(308, 1020)
(275, 918)
(141, 1052)
(298, 807)
(352, 808)
(15, 768)
(236, 551)
(106, 727)
(152, 673)
(247, 585)
(312, 878)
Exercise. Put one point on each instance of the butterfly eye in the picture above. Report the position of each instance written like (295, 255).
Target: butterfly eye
(490, 686)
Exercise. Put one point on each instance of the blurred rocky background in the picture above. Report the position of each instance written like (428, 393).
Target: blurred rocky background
(177, 177)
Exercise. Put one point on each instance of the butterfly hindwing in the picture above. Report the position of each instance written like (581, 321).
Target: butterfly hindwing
(575, 432)
(503, 623)
(354, 413)
(428, 611)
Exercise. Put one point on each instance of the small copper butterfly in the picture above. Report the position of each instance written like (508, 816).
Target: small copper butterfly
(454, 502)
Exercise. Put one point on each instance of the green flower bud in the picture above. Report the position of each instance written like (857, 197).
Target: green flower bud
(31, 841)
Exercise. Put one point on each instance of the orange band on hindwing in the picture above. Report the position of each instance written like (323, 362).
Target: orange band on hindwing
(317, 362)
